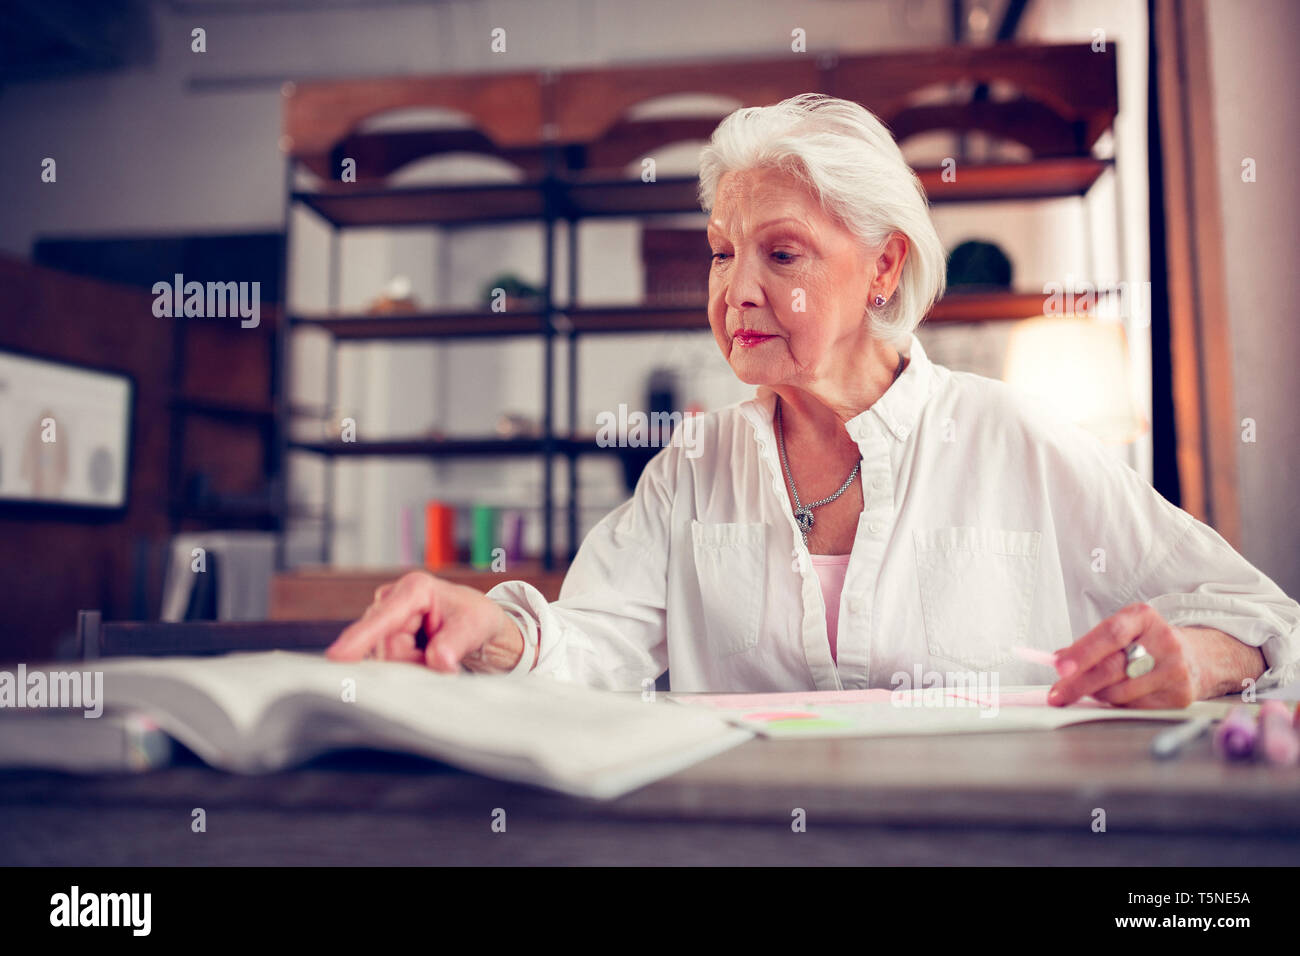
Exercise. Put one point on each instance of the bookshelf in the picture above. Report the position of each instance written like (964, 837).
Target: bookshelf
(571, 133)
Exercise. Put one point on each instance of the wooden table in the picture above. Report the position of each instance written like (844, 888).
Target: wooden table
(1007, 798)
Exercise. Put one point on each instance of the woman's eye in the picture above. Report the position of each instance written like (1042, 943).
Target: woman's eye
(784, 256)
(719, 256)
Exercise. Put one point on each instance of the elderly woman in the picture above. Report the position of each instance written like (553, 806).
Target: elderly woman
(868, 512)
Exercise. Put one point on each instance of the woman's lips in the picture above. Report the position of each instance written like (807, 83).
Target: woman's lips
(750, 339)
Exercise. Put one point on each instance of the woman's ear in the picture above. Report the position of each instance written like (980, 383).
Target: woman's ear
(889, 266)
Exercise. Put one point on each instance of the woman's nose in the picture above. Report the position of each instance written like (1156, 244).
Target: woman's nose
(744, 290)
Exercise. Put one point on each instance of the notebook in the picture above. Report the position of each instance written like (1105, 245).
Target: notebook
(808, 715)
(264, 711)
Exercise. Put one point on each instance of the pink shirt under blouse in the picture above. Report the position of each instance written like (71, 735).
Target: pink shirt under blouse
(831, 569)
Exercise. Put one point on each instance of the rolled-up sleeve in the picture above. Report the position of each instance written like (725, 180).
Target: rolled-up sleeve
(1203, 581)
(1158, 554)
(608, 628)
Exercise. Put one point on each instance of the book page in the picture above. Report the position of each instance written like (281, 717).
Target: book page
(288, 705)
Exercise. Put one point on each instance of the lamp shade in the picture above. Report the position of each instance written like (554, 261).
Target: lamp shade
(1078, 367)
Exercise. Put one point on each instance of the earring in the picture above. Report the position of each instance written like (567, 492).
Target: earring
(880, 300)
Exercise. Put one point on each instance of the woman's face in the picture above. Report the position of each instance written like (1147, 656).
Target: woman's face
(788, 286)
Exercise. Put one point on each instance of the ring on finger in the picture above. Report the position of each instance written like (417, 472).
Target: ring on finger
(1140, 661)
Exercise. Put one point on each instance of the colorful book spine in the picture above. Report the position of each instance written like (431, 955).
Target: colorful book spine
(439, 535)
(484, 540)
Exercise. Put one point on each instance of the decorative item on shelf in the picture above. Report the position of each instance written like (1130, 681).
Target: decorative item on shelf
(514, 538)
(661, 400)
(661, 397)
(511, 425)
(1079, 368)
(978, 266)
(483, 519)
(405, 537)
(339, 424)
(507, 292)
(439, 535)
(396, 299)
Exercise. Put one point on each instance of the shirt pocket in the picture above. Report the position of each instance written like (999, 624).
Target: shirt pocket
(977, 591)
(730, 563)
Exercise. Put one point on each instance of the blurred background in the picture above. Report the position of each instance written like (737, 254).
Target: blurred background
(451, 239)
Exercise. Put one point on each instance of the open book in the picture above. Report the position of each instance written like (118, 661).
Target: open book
(260, 712)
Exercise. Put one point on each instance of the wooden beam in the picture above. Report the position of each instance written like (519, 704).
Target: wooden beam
(1200, 342)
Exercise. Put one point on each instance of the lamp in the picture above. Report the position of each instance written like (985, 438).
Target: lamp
(1078, 367)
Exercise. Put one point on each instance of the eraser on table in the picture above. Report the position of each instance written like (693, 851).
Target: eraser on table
(1277, 738)
(1235, 736)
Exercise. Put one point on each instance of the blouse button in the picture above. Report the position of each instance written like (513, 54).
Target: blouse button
(875, 527)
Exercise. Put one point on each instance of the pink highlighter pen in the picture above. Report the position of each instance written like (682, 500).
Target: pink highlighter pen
(1277, 739)
(1234, 738)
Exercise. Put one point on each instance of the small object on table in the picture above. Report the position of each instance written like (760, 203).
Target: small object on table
(1169, 743)
(1235, 737)
(1277, 738)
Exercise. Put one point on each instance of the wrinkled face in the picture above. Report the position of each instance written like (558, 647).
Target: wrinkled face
(788, 286)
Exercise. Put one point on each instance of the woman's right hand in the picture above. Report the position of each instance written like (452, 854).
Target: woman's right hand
(463, 628)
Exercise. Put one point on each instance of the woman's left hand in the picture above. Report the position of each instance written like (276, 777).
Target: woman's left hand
(1191, 663)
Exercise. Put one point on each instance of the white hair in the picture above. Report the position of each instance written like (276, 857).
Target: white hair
(852, 164)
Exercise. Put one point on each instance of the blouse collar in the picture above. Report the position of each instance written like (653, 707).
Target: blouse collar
(898, 410)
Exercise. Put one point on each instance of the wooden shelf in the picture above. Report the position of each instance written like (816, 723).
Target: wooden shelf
(487, 446)
(963, 307)
(427, 205)
(481, 447)
(1039, 179)
(426, 325)
(610, 198)
(639, 318)
(591, 198)
(217, 408)
(622, 319)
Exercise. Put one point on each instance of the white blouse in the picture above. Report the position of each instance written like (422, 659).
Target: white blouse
(986, 525)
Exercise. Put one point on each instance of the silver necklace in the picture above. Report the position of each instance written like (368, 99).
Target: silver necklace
(803, 515)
